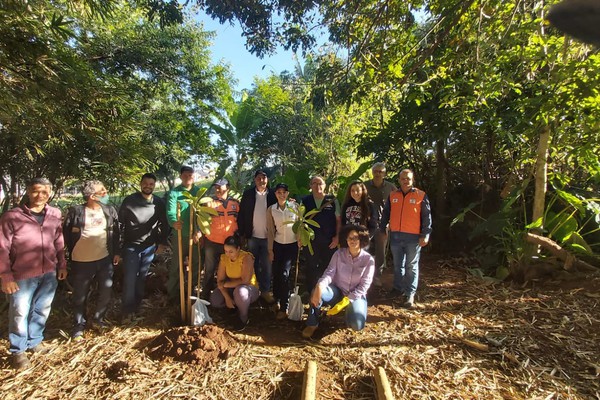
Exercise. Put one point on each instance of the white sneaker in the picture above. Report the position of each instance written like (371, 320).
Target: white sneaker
(410, 301)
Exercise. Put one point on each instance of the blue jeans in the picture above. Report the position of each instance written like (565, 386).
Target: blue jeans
(83, 274)
(136, 263)
(406, 253)
(28, 311)
(356, 311)
(262, 266)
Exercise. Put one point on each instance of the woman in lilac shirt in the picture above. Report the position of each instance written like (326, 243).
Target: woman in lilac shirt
(349, 275)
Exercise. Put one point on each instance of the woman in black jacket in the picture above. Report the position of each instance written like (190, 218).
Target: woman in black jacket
(358, 209)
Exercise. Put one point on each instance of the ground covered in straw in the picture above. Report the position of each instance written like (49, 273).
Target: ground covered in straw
(467, 338)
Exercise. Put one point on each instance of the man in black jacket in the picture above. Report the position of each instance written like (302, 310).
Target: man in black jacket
(145, 232)
(92, 235)
(252, 226)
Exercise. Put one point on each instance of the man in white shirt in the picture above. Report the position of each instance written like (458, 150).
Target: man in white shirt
(252, 226)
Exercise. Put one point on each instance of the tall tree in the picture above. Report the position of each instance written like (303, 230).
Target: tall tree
(108, 98)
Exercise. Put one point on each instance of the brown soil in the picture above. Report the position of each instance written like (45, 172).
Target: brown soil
(196, 345)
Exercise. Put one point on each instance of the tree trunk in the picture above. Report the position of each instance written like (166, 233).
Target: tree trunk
(5, 189)
(541, 179)
(440, 178)
(14, 193)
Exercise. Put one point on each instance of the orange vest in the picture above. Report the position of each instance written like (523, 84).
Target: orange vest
(405, 211)
(225, 224)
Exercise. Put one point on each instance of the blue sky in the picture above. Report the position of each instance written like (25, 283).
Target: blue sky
(229, 46)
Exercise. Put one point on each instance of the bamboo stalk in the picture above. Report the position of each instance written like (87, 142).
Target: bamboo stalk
(181, 276)
(198, 246)
(188, 311)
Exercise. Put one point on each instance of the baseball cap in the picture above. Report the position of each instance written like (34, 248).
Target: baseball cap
(282, 186)
(221, 182)
(260, 172)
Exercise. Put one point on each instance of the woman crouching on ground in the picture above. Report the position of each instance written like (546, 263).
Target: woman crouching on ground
(236, 282)
(347, 278)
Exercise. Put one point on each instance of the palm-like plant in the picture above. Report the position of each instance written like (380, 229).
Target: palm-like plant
(303, 224)
(203, 212)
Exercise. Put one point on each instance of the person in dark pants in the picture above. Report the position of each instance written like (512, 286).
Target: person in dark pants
(326, 236)
(92, 235)
(32, 256)
(283, 246)
(379, 190)
(145, 232)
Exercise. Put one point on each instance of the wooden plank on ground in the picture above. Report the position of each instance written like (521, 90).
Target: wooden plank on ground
(309, 385)
(384, 391)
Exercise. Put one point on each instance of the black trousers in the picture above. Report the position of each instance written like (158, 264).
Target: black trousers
(284, 260)
(317, 263)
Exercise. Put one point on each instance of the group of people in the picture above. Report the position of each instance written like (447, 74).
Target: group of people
(250, 251)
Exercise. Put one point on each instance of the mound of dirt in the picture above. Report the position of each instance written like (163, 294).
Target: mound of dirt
(197, 345)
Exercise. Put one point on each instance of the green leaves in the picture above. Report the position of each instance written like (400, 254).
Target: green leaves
(94, 89)
(302, 225)
(59, 24)
(203, 213)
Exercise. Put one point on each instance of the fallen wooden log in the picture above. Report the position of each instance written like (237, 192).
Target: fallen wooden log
(559, 252)
(384, 391)
(309, 385)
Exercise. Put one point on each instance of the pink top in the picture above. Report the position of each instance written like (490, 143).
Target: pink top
(353, 276)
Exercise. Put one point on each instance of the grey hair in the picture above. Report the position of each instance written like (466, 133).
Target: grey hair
(317, 176)
(39, 181)
(378, 165)
(88, 189)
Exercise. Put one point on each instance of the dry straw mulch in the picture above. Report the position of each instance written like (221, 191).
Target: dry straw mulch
(466, 339)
